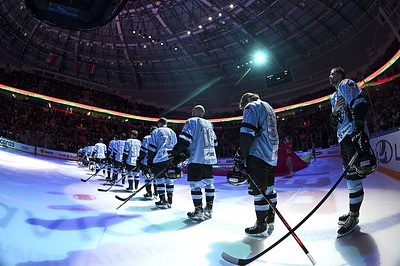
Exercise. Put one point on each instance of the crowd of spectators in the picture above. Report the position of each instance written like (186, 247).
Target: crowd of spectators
(36, 122)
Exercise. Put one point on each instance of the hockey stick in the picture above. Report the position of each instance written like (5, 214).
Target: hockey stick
(85, 180)
(125, 200)
(239, 261)
(105, 190)
(283, 221)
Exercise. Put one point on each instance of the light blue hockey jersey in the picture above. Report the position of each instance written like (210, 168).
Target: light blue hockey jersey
(201, 136)
(145, 148)
(100, 150)
(132, 149)
(352, 95)
(259, 120)
(162, 140)
(111, 146)
(119, 150)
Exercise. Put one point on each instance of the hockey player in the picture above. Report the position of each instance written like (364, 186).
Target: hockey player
(99, 154)
(143, 166)
(162, 140)
(198, 140)
(89, 155)
(349, 109)
(111, 156)
(81, 156)
(131, 152)
(259, 143)
(119, 164)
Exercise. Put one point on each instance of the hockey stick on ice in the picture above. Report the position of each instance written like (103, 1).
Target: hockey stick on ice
(125, 200)
(112, 185)
(283, 221)
(239, 261)
(95, 173)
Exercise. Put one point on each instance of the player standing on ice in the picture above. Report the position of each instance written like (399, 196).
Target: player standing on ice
(198, 140)
(99, 154)
(131, 152)
(111, 156)
(119, 163)
(162, 140)
(349, 109)
(259, 143)
(144, 167)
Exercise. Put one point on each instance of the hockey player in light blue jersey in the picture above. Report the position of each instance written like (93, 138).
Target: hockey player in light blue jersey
(143, 166)
(131, 153)
(198, 141)
(259, 143)
(99, 155)
(162, 140)
(119, 163)
(349, 110)
(89, 155)
(111, 156)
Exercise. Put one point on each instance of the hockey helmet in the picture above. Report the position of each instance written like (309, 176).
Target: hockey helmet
(236, 177)
(174, 173)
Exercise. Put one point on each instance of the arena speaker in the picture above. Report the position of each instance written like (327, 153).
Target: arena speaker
(82, 15)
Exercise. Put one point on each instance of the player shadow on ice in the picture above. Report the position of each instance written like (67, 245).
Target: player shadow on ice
(168, 226)
(358, 248)
(243, 248)
(66, 224)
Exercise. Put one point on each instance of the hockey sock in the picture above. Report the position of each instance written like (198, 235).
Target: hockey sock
(356, 195)
(261, 207)
(196, 193)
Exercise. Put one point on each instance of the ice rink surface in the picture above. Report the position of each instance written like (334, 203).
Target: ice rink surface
(48, 216)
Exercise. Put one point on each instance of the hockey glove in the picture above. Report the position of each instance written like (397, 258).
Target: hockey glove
(176, 157)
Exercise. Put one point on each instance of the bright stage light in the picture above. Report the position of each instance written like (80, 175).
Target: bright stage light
(260, 58)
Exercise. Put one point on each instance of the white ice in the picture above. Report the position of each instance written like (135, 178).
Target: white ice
(48, 216)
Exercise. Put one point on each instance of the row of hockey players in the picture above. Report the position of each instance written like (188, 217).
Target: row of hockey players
(158, 155)
(255, 159)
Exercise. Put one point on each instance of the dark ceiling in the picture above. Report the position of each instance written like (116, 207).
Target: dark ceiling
(179, 45)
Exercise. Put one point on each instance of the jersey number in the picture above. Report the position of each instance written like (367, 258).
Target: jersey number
(208, 137)
(272, 130)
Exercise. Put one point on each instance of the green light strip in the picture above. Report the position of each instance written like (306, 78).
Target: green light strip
(362, 84)
(380, 70)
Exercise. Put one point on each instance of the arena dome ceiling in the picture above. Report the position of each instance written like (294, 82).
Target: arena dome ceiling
(176, 44)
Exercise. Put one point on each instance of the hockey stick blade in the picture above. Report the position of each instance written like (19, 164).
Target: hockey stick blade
(124, 199)
(103, 190)
(85, 180)
(231, 259)
(238, 261)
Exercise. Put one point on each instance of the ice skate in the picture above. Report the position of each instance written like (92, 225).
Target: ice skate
(259, 230)
(208, 212)
(196, 215)
(342, 219)
(348, 226)
(148, 196)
